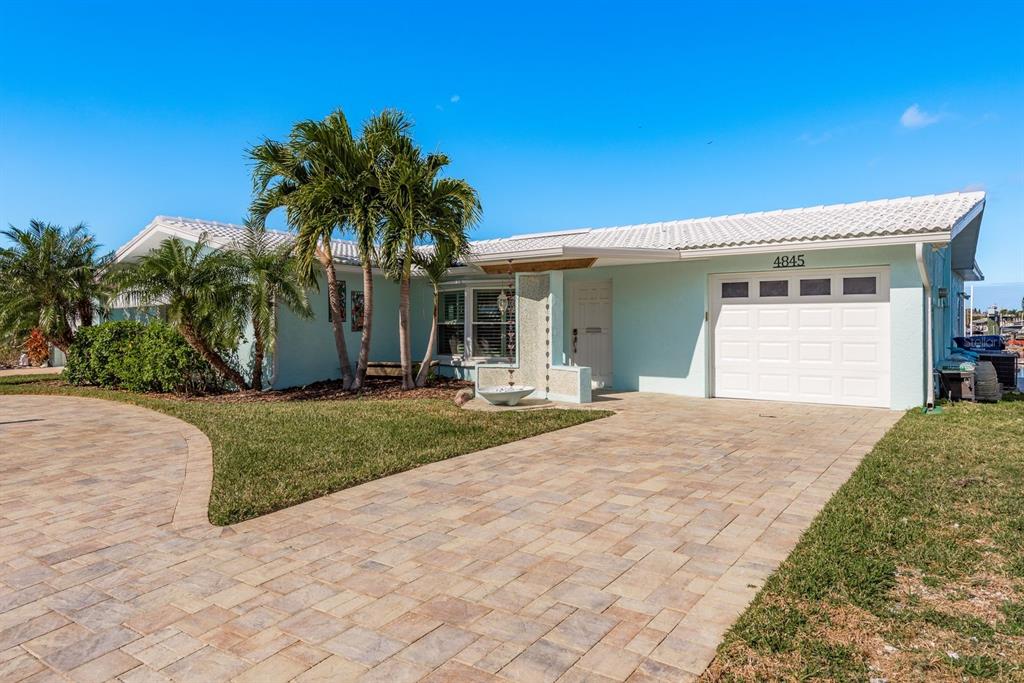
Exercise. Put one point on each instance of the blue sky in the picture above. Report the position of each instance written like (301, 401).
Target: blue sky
(580, 115)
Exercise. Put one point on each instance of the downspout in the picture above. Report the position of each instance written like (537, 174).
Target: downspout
(926, 281)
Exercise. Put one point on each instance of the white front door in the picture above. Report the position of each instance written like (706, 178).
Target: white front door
(810, 336)
(591, 330)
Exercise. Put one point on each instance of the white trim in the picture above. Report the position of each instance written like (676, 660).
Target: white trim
(936, 237)
(468, 359)
(929, 397)
(528, 255)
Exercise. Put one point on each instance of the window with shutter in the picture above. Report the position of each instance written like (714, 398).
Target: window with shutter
(494, 330)
(451, 323)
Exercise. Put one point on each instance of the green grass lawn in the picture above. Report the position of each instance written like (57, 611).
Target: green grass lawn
(268, 456)
(914, 571)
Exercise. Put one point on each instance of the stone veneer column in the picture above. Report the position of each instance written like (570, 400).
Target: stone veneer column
(539, 358)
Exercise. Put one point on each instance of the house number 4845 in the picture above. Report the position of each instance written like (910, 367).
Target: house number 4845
(789, 261)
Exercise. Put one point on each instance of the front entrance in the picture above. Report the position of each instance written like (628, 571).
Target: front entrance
(590, 329)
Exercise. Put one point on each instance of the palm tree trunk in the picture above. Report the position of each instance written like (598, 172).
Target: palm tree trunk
(339, 326)
(364, 342)
(258, 351)
(421, 376)
(405, 352)
(212, 357)
(85, 313)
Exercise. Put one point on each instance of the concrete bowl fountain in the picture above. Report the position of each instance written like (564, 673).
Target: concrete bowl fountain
(505, 395)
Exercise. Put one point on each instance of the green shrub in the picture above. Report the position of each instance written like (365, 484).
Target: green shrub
(126, 354)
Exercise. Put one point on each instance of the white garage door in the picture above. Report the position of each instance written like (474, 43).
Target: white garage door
(808, 336)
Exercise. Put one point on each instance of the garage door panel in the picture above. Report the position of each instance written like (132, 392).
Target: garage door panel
(774, 318)
(778, 384)
(861, 317)
(860, 387)
(774, 351)
(819, 349)
(863, 352)
(814, 352)
(815, 318)
(736, 351)
(816, 387)
(733, 318)
(736, 381)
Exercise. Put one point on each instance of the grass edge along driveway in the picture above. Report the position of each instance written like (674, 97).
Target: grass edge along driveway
(269, 456)
(913, 571)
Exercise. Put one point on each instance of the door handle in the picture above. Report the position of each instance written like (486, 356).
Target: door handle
(575, 336)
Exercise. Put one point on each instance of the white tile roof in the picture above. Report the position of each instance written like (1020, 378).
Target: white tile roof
(905, 216)
(223, 234)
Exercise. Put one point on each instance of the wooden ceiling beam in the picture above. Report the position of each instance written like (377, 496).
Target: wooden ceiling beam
(538, 266)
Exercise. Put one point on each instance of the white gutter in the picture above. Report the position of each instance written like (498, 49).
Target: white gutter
(926, 281)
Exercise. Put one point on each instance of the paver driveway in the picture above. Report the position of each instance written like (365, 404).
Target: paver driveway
(619, 549)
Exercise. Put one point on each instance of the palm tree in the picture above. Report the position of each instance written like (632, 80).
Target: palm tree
(313, 176)
(203, 290)
(50, 279)
(271, 277)
(381, 134)
(420, 207)
(434, 262)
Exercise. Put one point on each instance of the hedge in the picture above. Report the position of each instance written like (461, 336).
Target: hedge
(127, 354)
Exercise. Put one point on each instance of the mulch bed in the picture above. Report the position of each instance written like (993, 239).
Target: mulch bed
(377, 388)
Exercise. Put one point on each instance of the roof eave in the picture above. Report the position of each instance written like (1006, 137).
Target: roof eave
(156, 225)
(936, 237)
(645, 254)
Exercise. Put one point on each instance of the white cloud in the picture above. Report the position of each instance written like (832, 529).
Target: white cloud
(915, 117)
(454, 98)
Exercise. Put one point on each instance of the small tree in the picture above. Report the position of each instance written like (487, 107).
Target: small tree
(434, 262)
(271, 277)
(310, 176)
(419, 207)
(50, 280)
(203, 290)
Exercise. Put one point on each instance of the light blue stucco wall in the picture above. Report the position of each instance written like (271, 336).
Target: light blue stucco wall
(659, 335)
(947, 314)
(305, 348)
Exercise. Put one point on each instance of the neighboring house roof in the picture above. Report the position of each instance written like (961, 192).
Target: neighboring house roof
(886, 217)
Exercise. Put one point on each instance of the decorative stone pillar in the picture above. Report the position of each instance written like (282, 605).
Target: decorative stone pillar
(538, 327)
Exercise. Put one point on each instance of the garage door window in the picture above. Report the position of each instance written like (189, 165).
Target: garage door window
(859, 285)
(816, 287)
(735, 290)
(769, 288)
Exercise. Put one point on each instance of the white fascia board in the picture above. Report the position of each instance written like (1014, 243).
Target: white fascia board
(966, 219)
(157, 227)
(887, 240)
(129, 249)
(527, 255)
(972, 274)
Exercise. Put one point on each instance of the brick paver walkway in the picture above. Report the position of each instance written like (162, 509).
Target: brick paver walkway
(621, 549)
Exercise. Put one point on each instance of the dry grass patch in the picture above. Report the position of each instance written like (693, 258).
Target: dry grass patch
(914, 571)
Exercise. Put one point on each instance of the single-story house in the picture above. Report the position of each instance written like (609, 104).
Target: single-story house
(849, 304)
